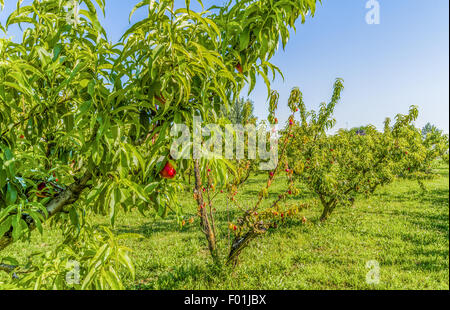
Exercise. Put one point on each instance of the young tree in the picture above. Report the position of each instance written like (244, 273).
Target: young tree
(428, 128)
(337, 167)
(241, 112)
(425, 148)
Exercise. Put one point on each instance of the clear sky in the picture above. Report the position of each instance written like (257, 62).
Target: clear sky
(402, 61)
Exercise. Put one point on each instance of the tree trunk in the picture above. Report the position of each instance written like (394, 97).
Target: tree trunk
(239, 243)
(54, 206)
(373, 188)
(328, 208)
(206, 226)
(326, 212)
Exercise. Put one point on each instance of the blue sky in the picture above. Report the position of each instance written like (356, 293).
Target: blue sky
(386, 68)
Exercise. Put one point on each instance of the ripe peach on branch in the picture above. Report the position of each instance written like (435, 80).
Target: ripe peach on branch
(168, 172)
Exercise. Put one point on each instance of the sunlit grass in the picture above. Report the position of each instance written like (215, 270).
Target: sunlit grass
(404, 229)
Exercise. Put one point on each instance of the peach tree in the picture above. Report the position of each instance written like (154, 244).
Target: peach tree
(85, 123)
(59, 130)
(337, 167)
(424, 151)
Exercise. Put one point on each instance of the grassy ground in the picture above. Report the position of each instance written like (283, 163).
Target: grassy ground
(405, 230)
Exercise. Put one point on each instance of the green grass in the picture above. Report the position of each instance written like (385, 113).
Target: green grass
(404, 229)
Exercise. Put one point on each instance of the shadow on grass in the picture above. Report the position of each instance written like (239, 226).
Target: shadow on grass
(185, 277)
(442, 171)
(175, 278)
(419, 246)
(170, 224)
(436, 197)
(419, 257)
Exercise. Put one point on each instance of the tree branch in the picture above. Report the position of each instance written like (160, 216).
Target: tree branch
(54, 206)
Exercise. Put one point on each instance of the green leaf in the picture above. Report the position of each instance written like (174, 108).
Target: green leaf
(56, 51)
(244, 39)
(5, 225)
(17, 227)
(11, 194)
(126, 260)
